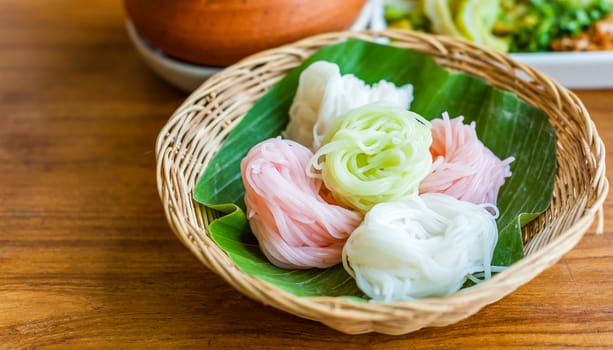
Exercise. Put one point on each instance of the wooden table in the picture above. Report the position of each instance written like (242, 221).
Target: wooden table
(87, 259)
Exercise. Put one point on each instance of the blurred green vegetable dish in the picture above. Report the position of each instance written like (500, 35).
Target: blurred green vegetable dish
(511, 25)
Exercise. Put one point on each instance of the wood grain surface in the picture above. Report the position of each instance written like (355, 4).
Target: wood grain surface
(87, 259)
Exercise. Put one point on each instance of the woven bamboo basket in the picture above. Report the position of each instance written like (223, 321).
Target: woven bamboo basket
(195, 132)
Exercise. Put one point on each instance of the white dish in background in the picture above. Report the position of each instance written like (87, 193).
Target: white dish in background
(574, 70)
(189, 76)
(183, 75)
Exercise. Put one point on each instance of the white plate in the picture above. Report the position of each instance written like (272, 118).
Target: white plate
(575, 70)
(186, 76)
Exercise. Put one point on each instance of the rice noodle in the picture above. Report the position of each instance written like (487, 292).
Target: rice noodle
(425, 246)
(375, 153)
(295, 226)
(462, 166)
(324, 95)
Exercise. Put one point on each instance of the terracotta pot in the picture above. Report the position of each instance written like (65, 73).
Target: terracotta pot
(220, 32)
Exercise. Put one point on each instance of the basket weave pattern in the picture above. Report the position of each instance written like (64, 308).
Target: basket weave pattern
(195, 132)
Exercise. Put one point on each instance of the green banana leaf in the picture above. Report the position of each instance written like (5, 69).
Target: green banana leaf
(507, 125)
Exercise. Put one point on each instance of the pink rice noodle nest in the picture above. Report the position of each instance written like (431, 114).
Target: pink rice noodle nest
(463, 167)
(296, 228)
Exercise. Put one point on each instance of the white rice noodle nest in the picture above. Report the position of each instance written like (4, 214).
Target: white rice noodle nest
(324, 95)
(426, 246)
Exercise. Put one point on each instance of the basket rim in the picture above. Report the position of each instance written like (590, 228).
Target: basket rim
(330, 309)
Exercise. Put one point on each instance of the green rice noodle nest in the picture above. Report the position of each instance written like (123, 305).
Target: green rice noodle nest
(374, 154)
